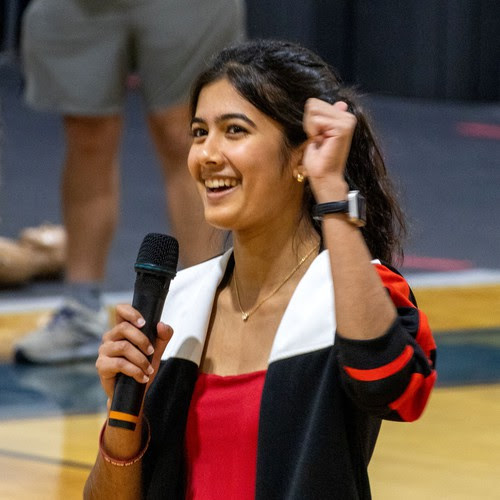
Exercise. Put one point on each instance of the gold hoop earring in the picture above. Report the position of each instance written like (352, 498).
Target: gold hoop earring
(299, 177)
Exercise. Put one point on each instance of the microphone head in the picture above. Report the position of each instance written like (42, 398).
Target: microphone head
(158, 254)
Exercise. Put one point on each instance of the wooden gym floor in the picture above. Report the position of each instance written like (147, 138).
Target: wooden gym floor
(50, 417)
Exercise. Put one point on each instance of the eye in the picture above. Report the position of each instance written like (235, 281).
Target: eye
(197, 132)
(236, 129)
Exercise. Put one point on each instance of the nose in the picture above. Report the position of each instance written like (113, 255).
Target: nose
(210, 151)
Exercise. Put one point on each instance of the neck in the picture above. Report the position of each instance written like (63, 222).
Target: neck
(262, 263)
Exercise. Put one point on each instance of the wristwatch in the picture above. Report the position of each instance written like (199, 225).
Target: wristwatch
(354, 207)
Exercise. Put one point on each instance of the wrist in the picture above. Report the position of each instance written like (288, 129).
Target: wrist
(335, 189)
(353, 208)
(134, 457)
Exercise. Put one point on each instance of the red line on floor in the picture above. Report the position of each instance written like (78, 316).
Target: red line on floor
(436, 263)
(477, 129)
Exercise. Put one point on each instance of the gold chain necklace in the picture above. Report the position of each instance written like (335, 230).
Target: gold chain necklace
(246, 314)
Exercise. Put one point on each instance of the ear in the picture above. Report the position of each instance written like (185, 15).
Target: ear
(298, 171)
(298, 175)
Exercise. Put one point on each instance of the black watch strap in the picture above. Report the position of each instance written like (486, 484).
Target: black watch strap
(332, 207)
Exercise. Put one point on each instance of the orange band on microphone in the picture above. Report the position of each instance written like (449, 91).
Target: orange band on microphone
(125, 417)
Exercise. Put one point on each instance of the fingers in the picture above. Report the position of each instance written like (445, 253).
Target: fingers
(327, 120)
(128, 332)
(165, 333)
(128, 313)
(314, 105)
(121, 357)
(125, 349)
(330, 129)
(341, 105)
(129, 359)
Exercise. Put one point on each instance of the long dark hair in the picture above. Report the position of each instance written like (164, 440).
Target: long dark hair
(277, 77)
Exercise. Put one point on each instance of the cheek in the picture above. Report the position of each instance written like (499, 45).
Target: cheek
(192, 164)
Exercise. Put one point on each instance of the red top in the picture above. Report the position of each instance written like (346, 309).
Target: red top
(221, 436)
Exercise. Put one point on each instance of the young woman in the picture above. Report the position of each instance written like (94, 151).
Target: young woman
(291, 347)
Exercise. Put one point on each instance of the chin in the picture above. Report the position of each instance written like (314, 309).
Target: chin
(220, 220)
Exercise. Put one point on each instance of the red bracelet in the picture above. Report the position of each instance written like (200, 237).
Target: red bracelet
(122, 463)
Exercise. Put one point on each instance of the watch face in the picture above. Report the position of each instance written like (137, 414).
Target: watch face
(362, 208)
(357, 208)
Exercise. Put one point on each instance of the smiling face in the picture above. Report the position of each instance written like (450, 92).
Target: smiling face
(239, 161)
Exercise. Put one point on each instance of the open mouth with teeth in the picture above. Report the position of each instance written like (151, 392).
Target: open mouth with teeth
(217, 185)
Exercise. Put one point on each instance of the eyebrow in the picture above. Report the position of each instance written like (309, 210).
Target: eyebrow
(225, 117)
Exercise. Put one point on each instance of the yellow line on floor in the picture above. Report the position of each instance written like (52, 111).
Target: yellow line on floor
(463, 307)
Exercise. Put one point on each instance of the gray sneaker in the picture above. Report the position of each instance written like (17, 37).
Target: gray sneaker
(73, 333)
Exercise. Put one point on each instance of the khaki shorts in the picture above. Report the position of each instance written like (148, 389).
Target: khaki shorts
(77, 54)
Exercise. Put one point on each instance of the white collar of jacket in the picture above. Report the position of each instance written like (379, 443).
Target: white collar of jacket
(307, 325)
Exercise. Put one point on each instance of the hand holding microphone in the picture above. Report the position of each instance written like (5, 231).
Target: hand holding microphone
(124, 357)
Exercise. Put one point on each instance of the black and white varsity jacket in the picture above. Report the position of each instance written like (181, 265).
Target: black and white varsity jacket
(324, 396)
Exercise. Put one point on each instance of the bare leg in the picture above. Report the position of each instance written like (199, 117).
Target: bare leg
(90, 196)
(90, 193)
(197, 240)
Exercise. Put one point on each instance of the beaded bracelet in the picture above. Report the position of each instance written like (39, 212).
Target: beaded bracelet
(122, 463)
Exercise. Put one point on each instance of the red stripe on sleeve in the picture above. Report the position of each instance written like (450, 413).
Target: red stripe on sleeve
(399, 291)
(411, 403)
(397, 286)
(382, 371)
(424, 336)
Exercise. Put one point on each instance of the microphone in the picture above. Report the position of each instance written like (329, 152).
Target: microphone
(155, 266)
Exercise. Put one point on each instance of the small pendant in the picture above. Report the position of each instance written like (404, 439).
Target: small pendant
(244, 316)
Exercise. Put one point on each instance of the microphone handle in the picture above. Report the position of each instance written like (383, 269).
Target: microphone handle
(150, 292)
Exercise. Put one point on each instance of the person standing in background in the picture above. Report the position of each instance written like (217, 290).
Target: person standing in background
(77, 56)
